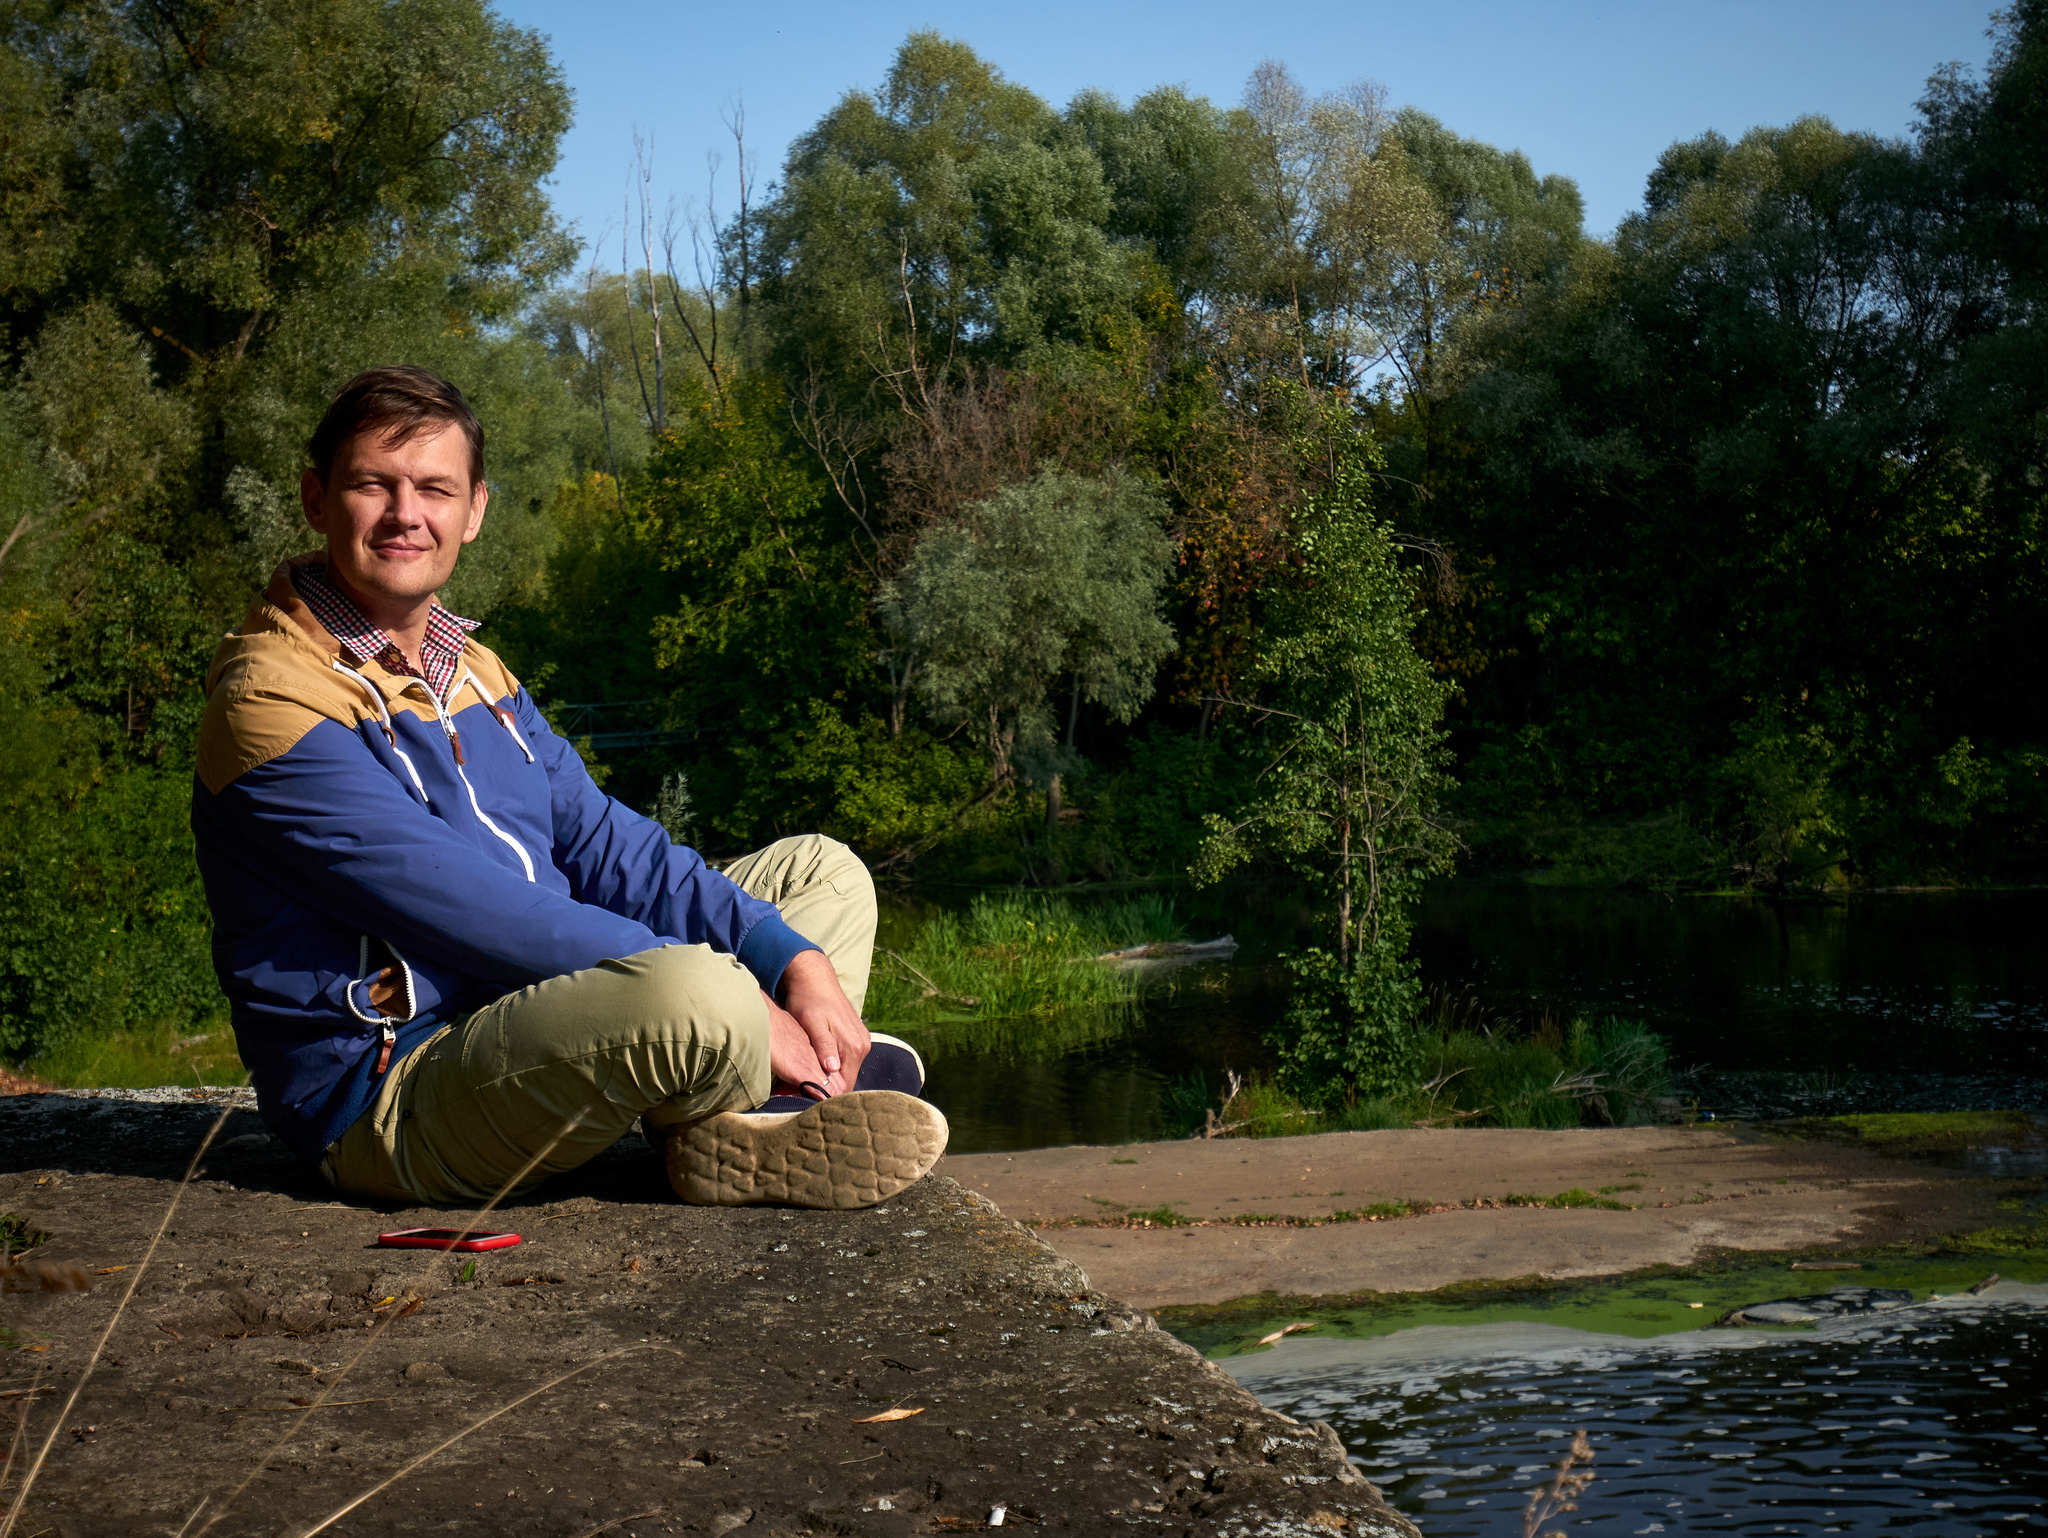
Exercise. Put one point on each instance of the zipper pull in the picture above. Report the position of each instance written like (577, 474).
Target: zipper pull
(390, 1041)
(456, 741)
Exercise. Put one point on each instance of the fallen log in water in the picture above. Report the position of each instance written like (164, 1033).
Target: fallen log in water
(1160, 955)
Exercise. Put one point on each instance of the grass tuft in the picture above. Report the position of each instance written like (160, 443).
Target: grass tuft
(1483, 1071)
(1575, 1197)
(1157, 1217)
(1016, 954)
(144, 1056)
(18, 1235)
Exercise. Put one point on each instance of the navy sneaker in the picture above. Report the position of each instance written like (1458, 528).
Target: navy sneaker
(890, 1064)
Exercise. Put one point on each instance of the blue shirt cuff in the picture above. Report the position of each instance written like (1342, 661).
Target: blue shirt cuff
(767, 948)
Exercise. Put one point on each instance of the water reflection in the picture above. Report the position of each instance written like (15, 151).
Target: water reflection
(1885, 1003)
(1932, 1424)
(1956, 982)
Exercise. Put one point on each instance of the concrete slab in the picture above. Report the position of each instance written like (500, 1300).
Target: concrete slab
(1677, 1194)
(633, 1367)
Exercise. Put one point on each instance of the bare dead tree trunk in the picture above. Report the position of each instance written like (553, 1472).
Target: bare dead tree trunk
(736, 125)
(598, 367)
(20, 528)
(1344, 881)
(643, 164)
(632, 334)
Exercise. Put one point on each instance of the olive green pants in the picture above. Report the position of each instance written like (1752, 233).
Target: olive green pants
(563, 1068)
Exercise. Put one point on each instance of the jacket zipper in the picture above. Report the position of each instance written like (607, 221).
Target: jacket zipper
(455, 742)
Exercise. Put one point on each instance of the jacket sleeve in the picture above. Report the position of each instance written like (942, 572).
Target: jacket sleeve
(625, 863)
(350, 840)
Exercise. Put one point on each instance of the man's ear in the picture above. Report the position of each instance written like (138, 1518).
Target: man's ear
(478, 500)
(313, 500)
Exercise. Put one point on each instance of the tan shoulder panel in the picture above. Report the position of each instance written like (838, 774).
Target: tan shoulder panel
(495, 677)
(266, 691)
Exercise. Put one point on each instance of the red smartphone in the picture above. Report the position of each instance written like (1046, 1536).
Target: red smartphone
(444, 1239)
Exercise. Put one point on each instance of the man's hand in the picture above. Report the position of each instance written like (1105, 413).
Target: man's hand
(792, 1060)
(829, 1024)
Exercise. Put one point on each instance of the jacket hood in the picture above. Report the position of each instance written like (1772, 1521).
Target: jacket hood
(278, 615)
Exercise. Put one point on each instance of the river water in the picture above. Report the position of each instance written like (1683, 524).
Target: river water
(1932, 1421)
(1929, 1421)
(1923, 1001)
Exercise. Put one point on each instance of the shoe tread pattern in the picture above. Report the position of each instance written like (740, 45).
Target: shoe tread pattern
(850, 1151)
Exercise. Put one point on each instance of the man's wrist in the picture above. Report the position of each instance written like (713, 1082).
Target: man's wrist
(807, 968)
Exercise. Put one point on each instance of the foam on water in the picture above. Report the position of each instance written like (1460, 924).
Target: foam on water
(1930, 1420)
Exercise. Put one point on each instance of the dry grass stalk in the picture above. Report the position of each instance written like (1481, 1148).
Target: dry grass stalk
(15, 1508)
(476, 1425)
(19, 1504)
(1566, 1486)
(375, 1334)
(631, 1516)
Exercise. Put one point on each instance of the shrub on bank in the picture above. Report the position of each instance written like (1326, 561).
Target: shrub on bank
(1598, 1073)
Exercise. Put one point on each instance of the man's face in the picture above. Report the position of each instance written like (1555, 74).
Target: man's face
(395, 516)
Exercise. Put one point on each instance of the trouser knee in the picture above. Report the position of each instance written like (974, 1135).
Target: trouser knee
(694, 990)
(805, 863)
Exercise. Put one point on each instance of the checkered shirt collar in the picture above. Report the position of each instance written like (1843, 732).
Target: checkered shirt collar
(361, 641)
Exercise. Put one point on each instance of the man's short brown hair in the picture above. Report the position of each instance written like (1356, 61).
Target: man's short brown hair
(399, 403)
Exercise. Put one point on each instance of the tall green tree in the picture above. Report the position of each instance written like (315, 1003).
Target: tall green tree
(1349, 729)
(1752, 561)
(943, 218)
(266, 199)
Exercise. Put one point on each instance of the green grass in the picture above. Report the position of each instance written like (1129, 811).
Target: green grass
(1499, 1073)
(1479, 1071)
(18, 1235)
(1384, 1210)
(1157, 1217)
(143, 1058)
(1016, 955)
(1575, 1197)
(1942, 1129)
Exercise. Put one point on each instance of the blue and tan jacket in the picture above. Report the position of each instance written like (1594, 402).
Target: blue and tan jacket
(351, 828)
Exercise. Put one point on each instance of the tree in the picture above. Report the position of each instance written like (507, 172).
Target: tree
(211, 215)
(1763, 546)
(1351, 736)
(945, 218)
(1057, 577)
(262, 200)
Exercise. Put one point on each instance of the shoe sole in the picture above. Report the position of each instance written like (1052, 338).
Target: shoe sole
(850, 1151)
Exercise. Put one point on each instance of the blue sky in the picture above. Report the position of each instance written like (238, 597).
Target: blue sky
(1589, 90)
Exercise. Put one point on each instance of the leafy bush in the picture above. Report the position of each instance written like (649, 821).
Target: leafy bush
(1347, 1032)
(1483, 1071)
(103, 925)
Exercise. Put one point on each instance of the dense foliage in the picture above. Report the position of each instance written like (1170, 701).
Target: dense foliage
(1027, 493)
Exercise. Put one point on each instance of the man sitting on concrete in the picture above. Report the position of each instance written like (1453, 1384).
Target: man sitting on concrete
(454, 965)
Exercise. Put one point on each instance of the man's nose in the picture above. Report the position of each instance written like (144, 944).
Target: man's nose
(405, 505)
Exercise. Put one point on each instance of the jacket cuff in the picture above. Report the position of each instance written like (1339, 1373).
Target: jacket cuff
(767, 948)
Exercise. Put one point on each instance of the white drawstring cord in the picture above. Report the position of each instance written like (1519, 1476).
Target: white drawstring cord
(504, 716)
(390, 733)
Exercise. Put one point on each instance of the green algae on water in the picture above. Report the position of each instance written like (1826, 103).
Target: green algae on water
(1660, 1301)
(1923, 1131)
